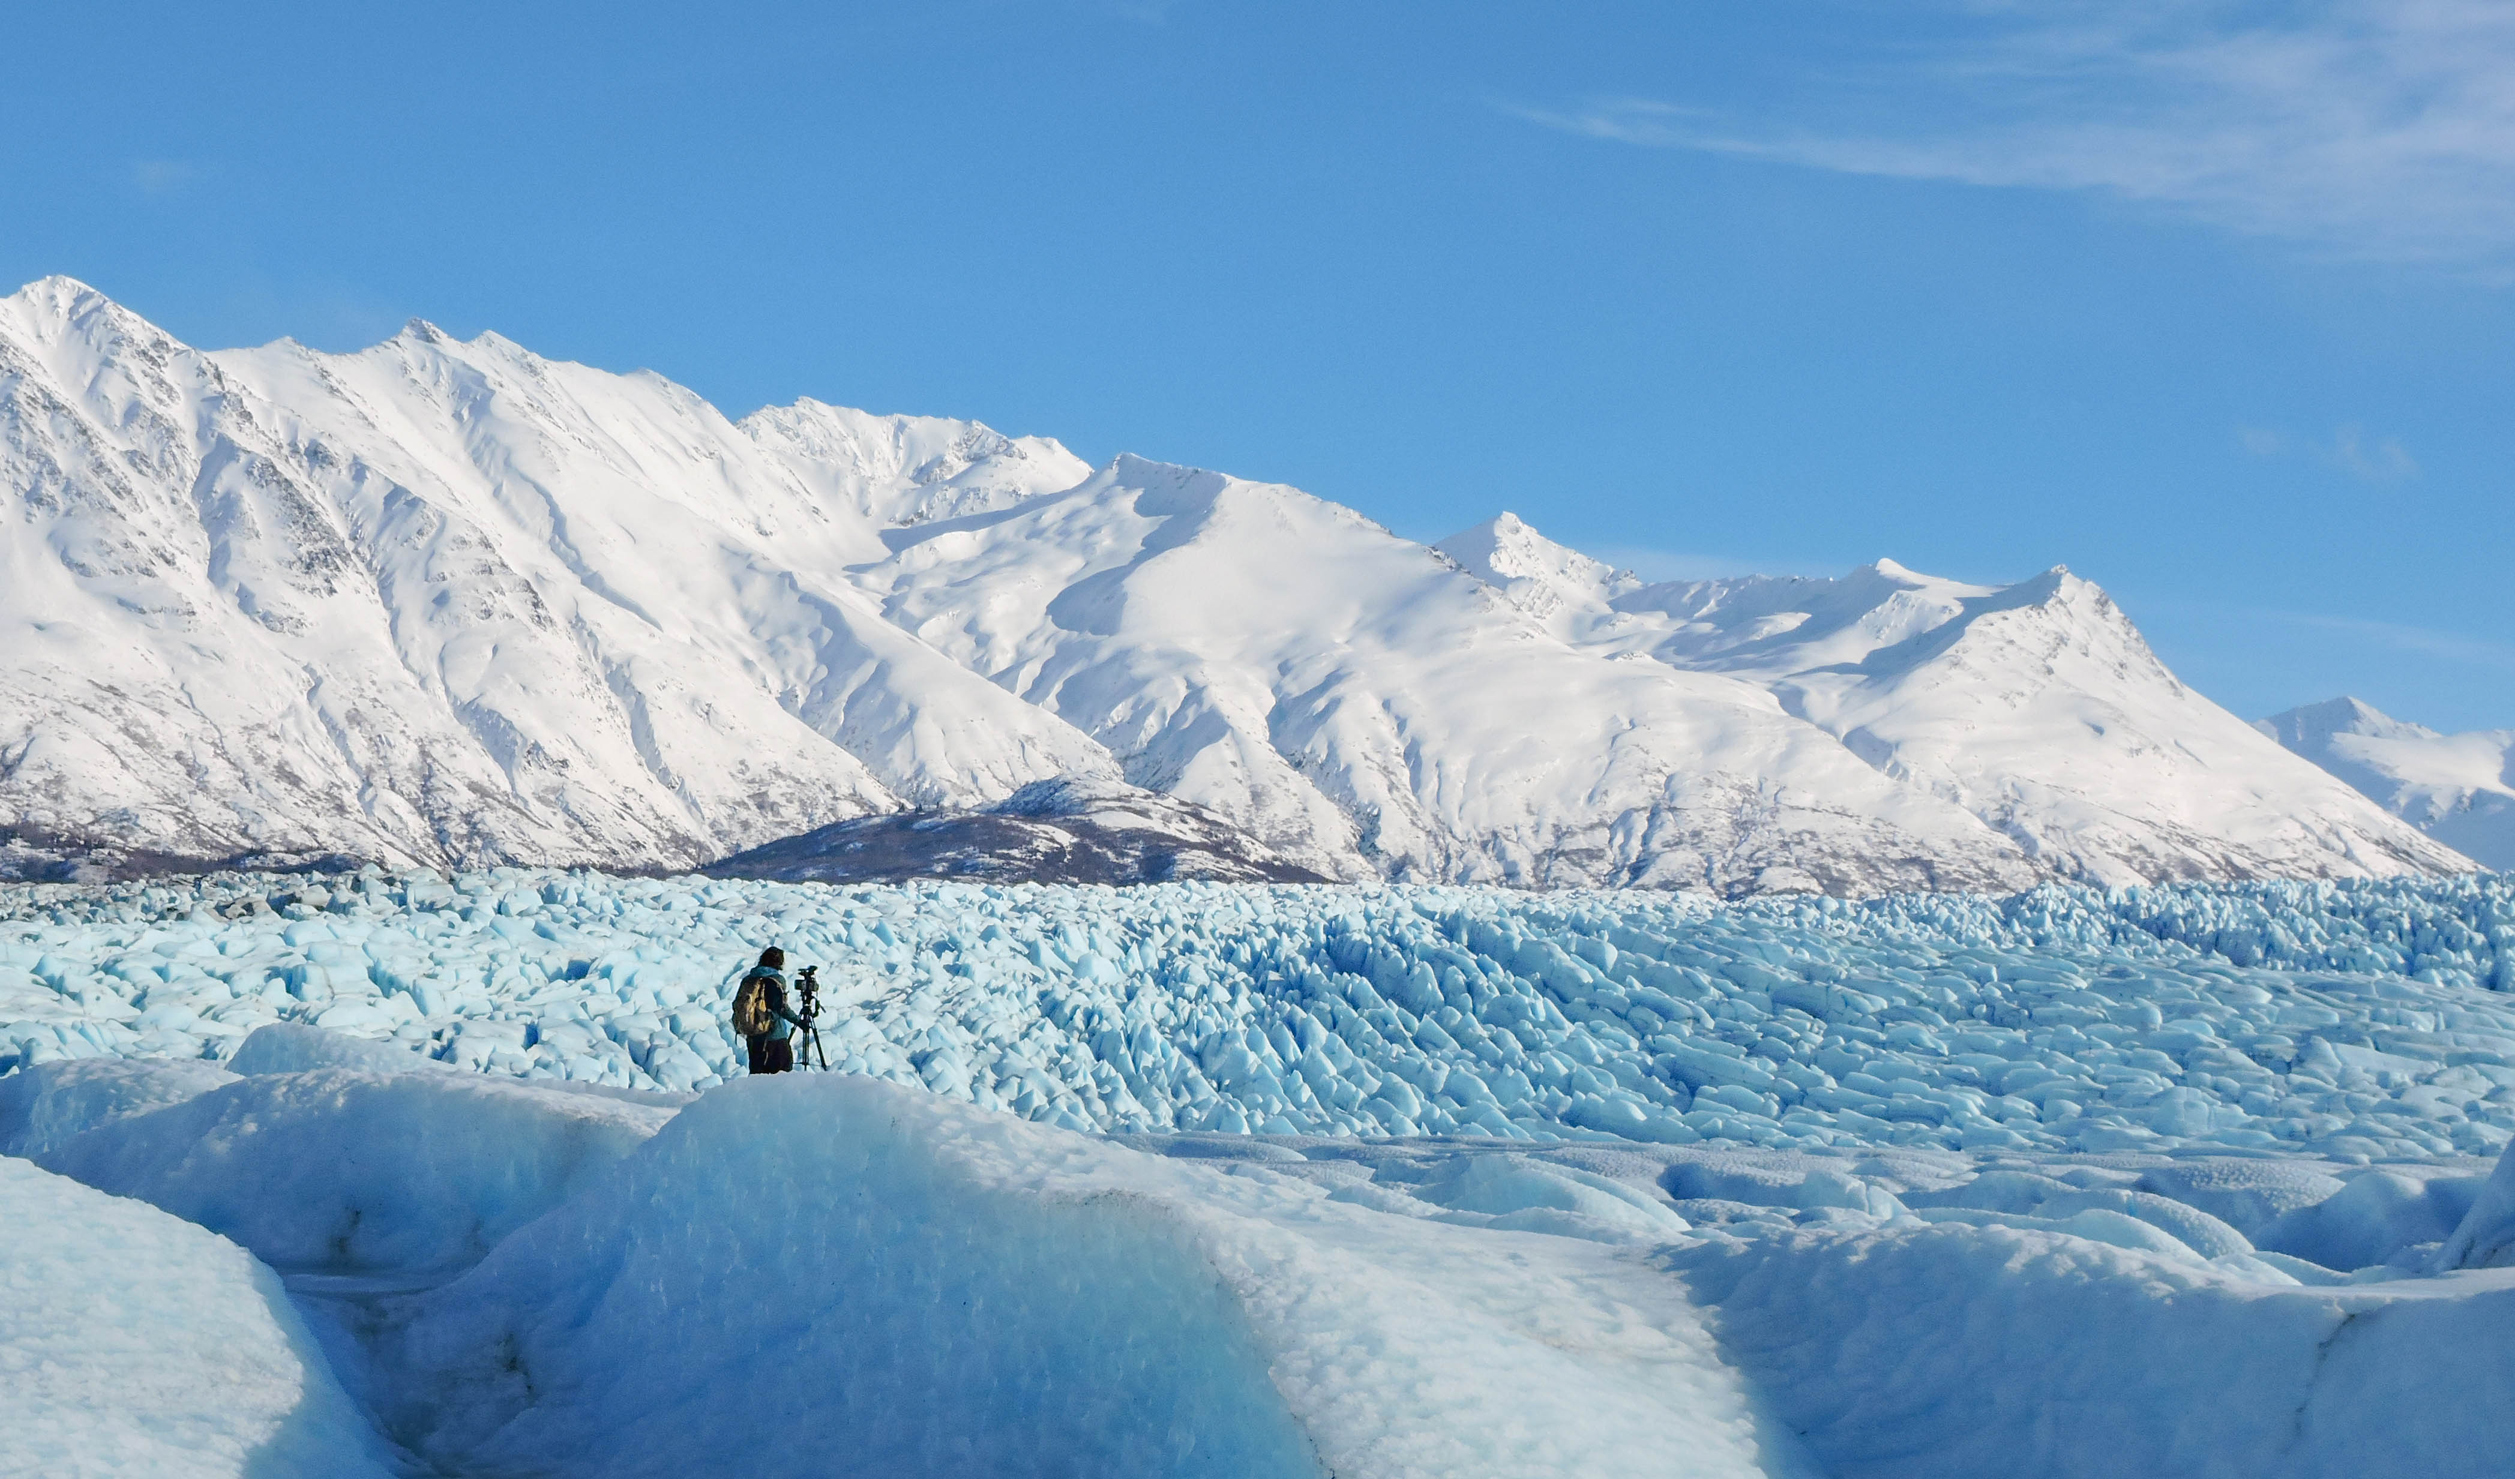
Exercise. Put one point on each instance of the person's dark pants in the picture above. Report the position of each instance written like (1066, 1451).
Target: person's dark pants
(771, 1054)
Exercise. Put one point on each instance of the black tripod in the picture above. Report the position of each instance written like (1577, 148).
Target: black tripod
(808, 1040)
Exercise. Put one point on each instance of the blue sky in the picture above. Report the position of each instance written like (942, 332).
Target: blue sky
(2214, 303)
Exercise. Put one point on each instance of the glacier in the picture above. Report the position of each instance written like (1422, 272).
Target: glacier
(448, 603)
(1292, 1179)
(2342, 1019)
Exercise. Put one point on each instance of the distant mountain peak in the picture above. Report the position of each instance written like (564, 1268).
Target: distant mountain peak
(2458, 788)
(57, 288)
(1541, 577)
(2310, 725)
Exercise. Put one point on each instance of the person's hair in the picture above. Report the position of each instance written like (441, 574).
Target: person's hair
(773, 958)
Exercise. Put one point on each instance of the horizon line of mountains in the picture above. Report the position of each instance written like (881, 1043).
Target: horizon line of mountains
(447, 603)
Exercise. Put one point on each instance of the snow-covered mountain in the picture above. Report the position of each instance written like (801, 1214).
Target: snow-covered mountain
(448, 602)
(2457, 788)
(1366, 707)
(2035, 707)
(438, 601)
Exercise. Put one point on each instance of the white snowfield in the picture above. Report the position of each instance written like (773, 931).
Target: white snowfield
(2183, 1181)
(452, 604)
(2457, 788)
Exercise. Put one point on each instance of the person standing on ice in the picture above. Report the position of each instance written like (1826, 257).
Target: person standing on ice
(760, 1014)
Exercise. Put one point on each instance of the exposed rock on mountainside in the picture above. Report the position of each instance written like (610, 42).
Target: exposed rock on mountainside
(1046, 832)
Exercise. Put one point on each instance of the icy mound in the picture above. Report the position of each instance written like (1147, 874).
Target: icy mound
(135, 1343)
(43, 1107)
(927, 1288)
(354, 1171)
(917, 1286)
(2353, 1021)
(1946, 1350)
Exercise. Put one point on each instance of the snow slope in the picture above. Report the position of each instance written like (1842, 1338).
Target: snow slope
(2036, 707)
(2457, 788)
(449, 603)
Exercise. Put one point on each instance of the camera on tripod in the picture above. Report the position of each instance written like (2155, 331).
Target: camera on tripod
(808, 1008)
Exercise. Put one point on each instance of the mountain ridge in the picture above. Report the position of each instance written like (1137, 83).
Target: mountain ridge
(2037, 707)
(443, 601)
(2456, 788)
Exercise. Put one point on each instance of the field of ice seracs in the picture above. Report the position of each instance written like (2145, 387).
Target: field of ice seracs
(2345, 1020)
(1368, 1180)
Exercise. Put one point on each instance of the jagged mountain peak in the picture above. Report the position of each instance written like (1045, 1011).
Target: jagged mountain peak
(898, 471)
(60, 298)
(64, 320)
(2309, 725)
(1551, 582)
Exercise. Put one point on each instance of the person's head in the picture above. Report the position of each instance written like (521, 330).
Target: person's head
(773, 958)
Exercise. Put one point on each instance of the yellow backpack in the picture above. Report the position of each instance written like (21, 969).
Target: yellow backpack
(752, 1018)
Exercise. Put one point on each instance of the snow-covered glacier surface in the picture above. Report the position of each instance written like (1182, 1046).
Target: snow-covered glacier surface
(2167, 1181)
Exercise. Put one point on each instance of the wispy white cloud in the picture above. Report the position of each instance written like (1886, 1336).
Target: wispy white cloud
(2430, 642)
(2426, 641)
(2369, 129)
(2371, 460)
(2368, 458)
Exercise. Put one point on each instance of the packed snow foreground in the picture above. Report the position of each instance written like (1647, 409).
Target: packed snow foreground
(409, 1174)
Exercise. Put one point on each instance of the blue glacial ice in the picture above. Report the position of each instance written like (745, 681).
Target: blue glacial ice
(523, 1276)
(2364, 1020)
(2177, 1181)
(132, 1342)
